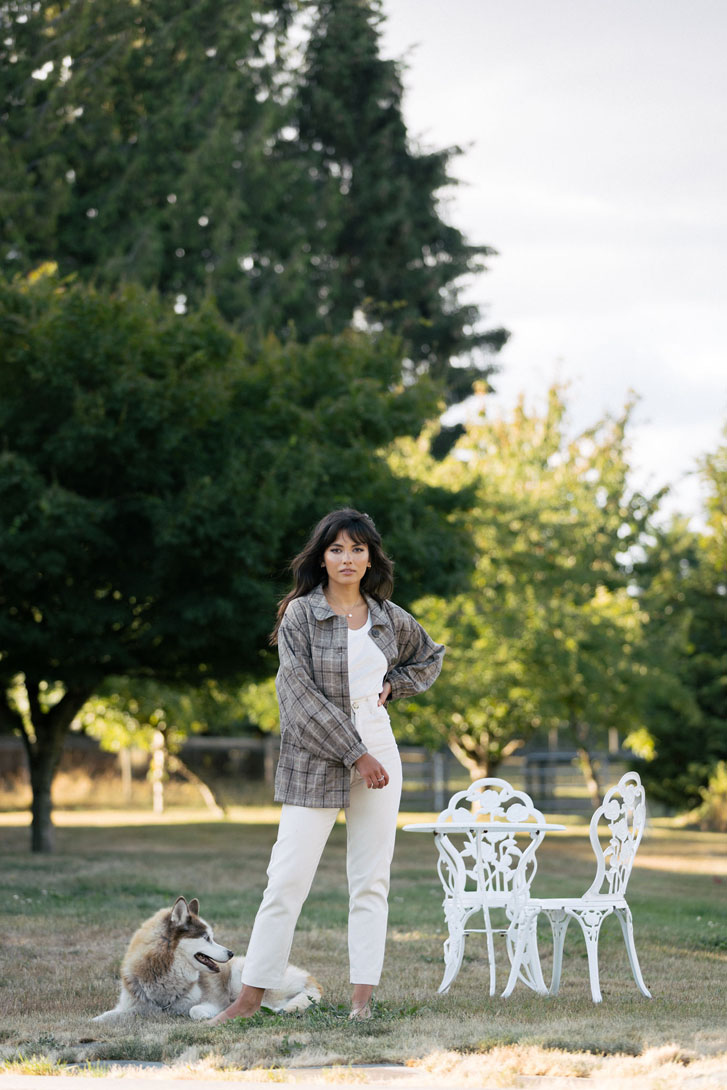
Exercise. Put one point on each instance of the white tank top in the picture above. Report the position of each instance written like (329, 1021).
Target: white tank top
(367, 664)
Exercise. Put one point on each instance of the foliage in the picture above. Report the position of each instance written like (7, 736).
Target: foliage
(125, 713)
(709, 624)
(155, 478)
(141, 140)
(549, 633)
(254, 150)
(260, 703)
(156, 718)
(684, 576)
(712, 814)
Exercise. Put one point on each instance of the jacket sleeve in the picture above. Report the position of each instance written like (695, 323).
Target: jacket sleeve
(419, 661)
(315, 723)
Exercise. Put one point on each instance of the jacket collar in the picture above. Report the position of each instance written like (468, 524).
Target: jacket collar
(319, 604)
(322, 610)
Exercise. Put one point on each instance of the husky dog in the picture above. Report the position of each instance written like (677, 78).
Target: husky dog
(173, 965)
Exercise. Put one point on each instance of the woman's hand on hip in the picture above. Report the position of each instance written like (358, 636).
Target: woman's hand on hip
(385, 693)
(372, 771)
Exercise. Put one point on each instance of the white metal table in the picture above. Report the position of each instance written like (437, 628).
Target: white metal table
(489, 871)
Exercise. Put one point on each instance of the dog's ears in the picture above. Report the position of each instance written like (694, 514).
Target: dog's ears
(180, 911)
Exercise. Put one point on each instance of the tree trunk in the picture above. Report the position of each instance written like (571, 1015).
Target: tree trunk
(475, 757)
(43, 765)
(44, 748)
(589, 766)
(478, 756)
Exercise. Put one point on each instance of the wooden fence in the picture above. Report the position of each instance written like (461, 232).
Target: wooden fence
(551, 777)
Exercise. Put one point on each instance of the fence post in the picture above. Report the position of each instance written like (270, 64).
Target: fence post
(271, 745)
(125, 765)
(157, 771)
(439, 781)
(529, 788)
(547, 785)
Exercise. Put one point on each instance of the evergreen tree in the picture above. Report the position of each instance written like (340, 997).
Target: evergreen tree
(140, 143)
(395, 260)
(191, 148)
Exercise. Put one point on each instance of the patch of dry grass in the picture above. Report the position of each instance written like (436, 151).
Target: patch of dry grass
(69, 917)
(655, 1069)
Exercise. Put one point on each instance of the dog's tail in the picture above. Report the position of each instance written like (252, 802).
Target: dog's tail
(298, 992)
(310, 993)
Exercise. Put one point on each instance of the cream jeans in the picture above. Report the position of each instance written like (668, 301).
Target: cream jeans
(302, 835)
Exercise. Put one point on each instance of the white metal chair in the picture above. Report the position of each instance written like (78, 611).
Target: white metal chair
(489, 870)
(623, 811)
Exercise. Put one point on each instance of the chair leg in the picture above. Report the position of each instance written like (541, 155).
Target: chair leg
(534, 973)
(590, 920)
(453, 949)
(490, 948)
(522, 948)
(559, 921)
(624, 918)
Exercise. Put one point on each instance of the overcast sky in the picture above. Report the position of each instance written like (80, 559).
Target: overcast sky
(596, 164)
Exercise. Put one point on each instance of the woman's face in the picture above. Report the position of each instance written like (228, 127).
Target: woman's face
(345, 561)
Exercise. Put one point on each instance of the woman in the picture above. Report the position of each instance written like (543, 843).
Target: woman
(345, 650)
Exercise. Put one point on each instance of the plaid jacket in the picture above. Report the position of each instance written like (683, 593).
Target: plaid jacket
(318, 741)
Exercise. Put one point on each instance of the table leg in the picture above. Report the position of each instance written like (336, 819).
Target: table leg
(453, 946)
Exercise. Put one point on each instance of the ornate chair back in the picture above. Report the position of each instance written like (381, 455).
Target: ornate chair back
(502, 865)
(623, 811)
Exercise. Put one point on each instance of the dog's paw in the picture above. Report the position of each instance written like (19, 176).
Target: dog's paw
(203, 1010)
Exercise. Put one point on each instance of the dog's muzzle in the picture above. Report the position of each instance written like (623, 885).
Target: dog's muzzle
(210, 963)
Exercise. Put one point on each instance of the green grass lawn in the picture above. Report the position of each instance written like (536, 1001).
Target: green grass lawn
(68, 919)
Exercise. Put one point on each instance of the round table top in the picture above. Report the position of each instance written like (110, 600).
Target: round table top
(484, 827)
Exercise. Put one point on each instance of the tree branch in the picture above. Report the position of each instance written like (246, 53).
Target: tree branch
(512, 747)
(62, 714)
(176, 764)
(474, 766)
(32, 689)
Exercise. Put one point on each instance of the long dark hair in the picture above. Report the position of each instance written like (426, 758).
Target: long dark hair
(378, 581)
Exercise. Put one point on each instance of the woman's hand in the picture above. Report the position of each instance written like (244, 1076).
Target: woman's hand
(385, 693)
(372, 771)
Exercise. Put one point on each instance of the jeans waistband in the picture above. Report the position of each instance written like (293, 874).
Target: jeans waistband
(366, 702)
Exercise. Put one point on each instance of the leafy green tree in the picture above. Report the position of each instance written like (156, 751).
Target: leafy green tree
(158, 719)
(155, 478)
(548, 634)
(684, 579)
(709, 626)
(712, 812)
(197, 149)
